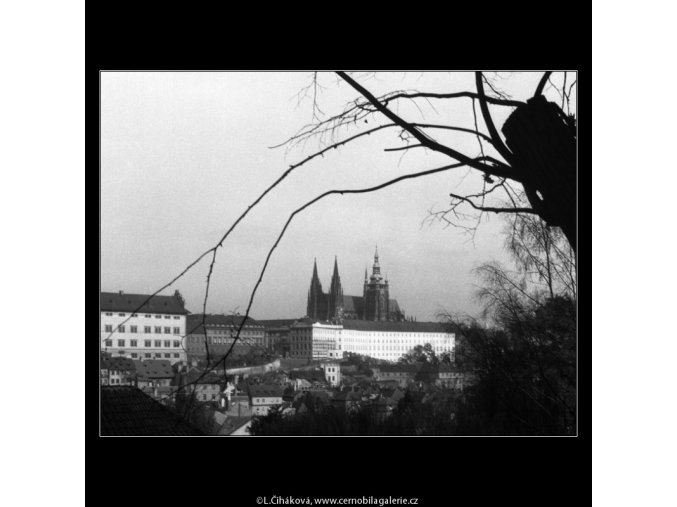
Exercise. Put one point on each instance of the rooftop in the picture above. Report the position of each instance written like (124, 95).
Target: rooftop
(127, 411)
(198, 377)
(406, 327)
(265, 390)
(231, 423)
(277, 322)
(117, 363)
(154, 369)
(122, 302)
(194, 322)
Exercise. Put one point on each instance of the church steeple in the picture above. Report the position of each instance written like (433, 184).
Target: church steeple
(376, 297)
(317, 302)
(335, 275)
(376, 268)
(335, 307)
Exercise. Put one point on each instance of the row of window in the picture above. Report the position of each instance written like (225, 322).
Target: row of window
(147, 355)
(405, 348)
(233, 332)
(147, 315)
(147, 329)
(303, 346)
(146, 343)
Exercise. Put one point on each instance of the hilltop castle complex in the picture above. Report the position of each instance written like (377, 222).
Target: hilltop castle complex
(372, 325)
(153, 327)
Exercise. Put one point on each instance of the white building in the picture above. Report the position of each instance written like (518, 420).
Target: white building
(332, 372)
(155, 331)
(313, 340)
(117, 371)
(264, 397)
(377, 339)
(220, 335)
(390, 340)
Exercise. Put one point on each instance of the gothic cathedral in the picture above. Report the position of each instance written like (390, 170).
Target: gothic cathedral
(375, 303)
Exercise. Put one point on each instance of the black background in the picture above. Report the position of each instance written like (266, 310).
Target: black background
(437, 470)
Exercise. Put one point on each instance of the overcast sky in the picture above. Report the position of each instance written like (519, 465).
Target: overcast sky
(183, 154)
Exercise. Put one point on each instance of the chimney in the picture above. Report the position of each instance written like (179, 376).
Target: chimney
(121, 293)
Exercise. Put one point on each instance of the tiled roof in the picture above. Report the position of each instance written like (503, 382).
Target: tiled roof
(265, 391)
(127, 411)
(277, 322)
(209, 378)
(305, 321)
(232, 423)
(154, 369)
(308, 374)
(405, 327)
(194, 322)
(121, 302)
(356, 304)
(117, 363)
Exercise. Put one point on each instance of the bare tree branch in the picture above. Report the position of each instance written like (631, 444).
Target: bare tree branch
(423, 138)
(493, 133)
(492, 209)
(472, 95)
(541, 83)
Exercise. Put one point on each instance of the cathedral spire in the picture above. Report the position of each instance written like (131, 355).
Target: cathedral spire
(336, 275)
(317, 306)
(335, 306)
(376, 270)
(315, 270)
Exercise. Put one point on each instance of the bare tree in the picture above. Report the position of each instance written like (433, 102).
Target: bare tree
(538, 153)
(542, 254)
(526, 358)
(535, 158)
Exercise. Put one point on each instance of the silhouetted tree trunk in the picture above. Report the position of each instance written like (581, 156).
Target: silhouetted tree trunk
(542, 140)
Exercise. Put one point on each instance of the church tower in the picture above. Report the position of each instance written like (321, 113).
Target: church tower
(335, 304)
(317, 300)
(376, 294)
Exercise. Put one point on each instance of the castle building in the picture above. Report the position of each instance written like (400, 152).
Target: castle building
(219, 335)
(317, 341)
(374, 304)
(142, 327)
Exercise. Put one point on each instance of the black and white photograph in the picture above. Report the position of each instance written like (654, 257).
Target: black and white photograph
(337, 259)
(342, 254)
